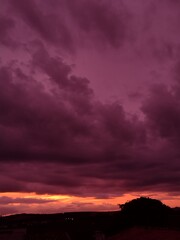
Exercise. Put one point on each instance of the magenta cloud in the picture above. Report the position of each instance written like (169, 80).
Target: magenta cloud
(55, 136)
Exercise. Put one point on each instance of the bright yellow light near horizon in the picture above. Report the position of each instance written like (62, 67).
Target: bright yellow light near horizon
(34, 196)
(68, 198)
(58, 203)
(114, 201)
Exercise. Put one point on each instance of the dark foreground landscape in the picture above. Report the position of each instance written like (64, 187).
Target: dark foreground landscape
(142, 218)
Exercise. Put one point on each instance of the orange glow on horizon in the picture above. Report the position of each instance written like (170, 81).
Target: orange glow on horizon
(66, 203)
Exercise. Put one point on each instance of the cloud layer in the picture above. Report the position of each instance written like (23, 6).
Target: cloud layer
(55, 136)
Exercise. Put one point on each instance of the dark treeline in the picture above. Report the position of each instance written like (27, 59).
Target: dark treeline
(141, 212)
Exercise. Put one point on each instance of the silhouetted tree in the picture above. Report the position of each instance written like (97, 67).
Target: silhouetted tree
(145, 211)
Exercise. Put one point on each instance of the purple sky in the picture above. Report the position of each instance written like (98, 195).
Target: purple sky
(89, 100)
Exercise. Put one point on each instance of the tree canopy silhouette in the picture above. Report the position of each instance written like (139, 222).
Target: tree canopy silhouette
(145, 211)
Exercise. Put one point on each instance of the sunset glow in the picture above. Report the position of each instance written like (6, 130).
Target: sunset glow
(45, 203)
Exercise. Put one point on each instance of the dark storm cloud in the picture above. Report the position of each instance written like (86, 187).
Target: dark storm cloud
(155, 26)
(55, 137)
(135, 95)
(162, 110)
(65, 125)
(7, 185)
(61, 73)
(91, 146)
(6, 25)
(51, 27)
(101, 19)
(68, 24)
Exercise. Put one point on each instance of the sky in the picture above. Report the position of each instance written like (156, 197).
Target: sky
(89, 104)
